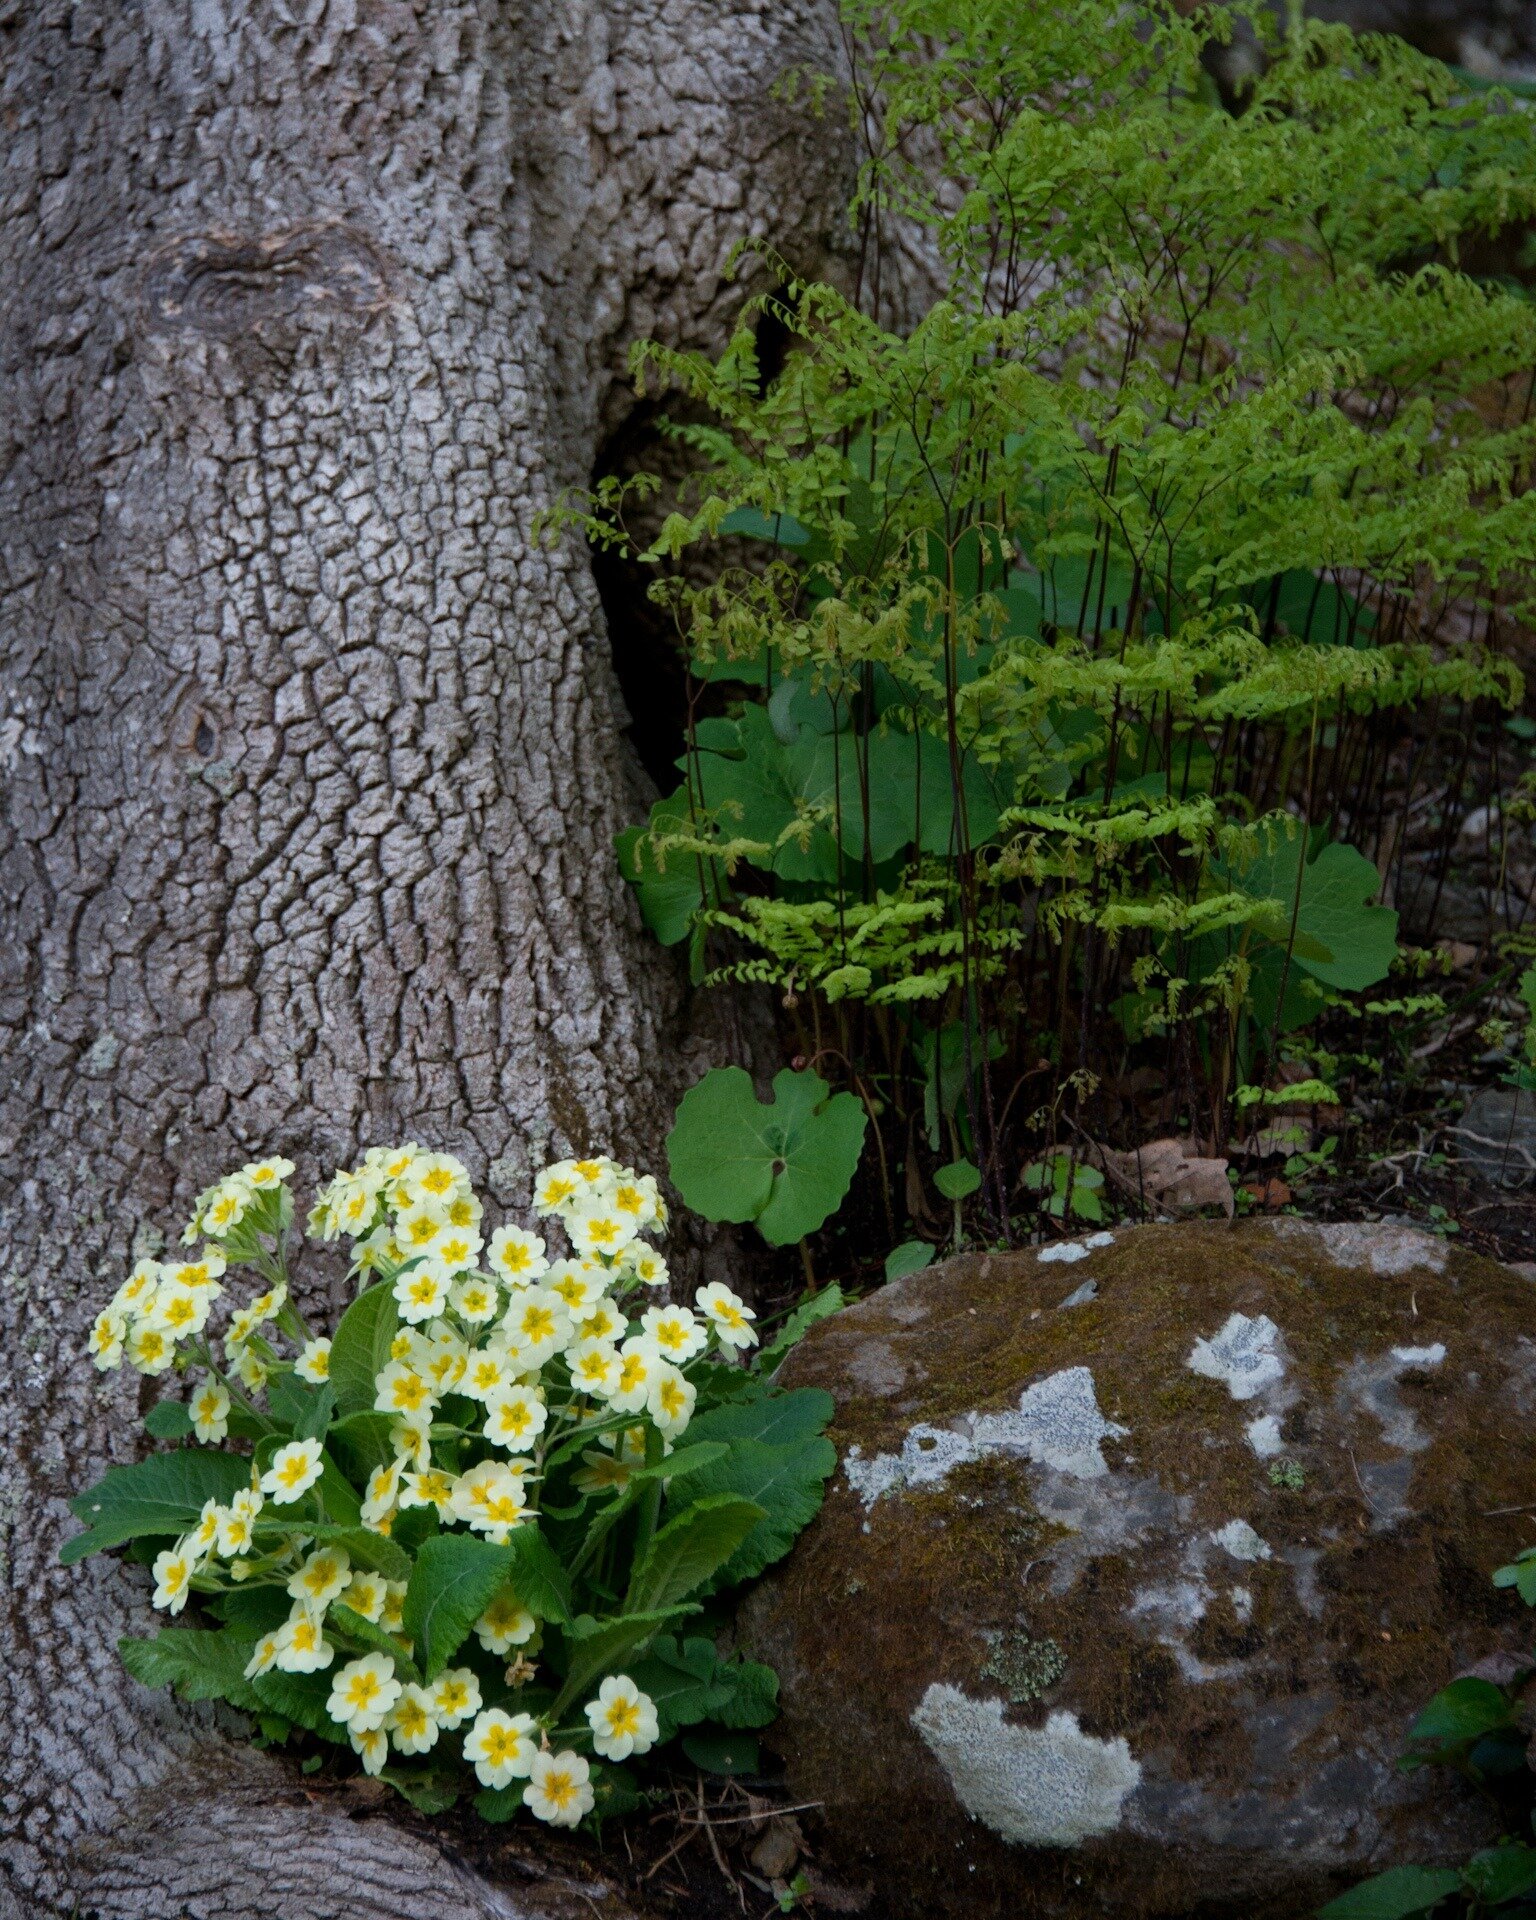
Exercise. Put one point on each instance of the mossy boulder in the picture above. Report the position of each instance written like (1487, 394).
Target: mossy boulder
(1137, 1569)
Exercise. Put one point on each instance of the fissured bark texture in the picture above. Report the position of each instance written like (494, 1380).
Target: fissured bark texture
(310, 755)
(1138, 1569)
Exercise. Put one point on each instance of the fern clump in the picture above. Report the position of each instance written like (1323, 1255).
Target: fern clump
(1051, 641)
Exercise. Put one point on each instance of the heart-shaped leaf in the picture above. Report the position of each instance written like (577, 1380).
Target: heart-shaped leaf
(785, 1165)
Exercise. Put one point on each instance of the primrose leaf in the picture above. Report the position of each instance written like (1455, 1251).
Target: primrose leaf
(163, 1494)
(198, 1664)
(1394, 1895)
(360, 1349)
(690, 1550)
(785, 1484)
(786, 1165)
(455, 1579)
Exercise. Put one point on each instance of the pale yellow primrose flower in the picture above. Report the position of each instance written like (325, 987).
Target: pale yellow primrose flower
(559, 1789)
(294, 1470)
(364, 1693)
(516, 1256)
(506, 1623)
(301, 1647)
(501, 1747)
(515, 1417)
(322, 1578)
(677, 1333)
(173, 1576)
(108, 1331)
(413, 1724)
(314, 1363)
(622, 1718)
(365, 1595)
(210, 1413)
(455, 1696)
(728, 1314)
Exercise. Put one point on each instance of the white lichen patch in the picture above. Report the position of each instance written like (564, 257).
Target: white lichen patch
(1240, 1540)
(1050, 1786)
(1420, 1356)
(1264, 1436)
(1386, 1248)
(1243, 1355)
(1072, 1250)
(1057, 1424)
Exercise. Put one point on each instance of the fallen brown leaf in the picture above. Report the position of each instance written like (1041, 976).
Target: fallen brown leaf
(1169, 1174)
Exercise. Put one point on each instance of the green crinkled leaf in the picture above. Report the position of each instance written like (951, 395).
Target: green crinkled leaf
(785, 1482)
(433, 1791)
(168, 1420)
(368, 1633)
(538, 1579)
(197, 1663)
(1502, 1873)
(785, 1165)
(595, 1648)
(776, 1418)
(689, 1551)
(161, 1495)
(360, 1348)
(1395, 1895)
(689, 1682)
(361, 1444)
(456, 1577)
(301, 1698)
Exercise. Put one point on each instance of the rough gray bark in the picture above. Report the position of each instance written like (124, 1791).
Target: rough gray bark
(309, 754)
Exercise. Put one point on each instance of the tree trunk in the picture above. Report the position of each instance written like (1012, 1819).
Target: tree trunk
(310, 753)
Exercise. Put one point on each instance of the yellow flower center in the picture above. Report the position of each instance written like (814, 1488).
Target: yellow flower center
(559, 1787)
(623, 1717)
(362, 1690)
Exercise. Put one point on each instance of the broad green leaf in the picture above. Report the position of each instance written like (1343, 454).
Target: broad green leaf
(301, 1698)
(360, 1349)
(596, 1648)
(910, 1257)
(161, 1495)
(785, 1165)
(537, 1577)
(669, 884)
(776, 1418)
(1465, 1710)
(753, 1700)
(497, 1805)
(1340, 938)
(786, 1483)
(690, 1549)
(198, 1664)
(251, 1611)
(168, 1420)
(751, 523)
(456, 1577)
(1502, 1873)
(1395, 1895)
(958, 1180)
(780, 797)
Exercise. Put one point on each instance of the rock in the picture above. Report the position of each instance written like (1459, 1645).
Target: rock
(1496, 1136)
(1127, 1610)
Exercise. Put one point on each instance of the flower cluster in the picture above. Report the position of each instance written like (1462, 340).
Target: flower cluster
(499, 1357)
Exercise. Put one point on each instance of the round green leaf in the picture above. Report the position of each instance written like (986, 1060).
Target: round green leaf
(786, 1165)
